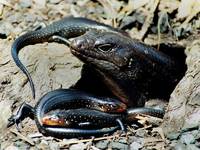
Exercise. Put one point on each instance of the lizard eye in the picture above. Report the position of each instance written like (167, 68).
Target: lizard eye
(105, 47)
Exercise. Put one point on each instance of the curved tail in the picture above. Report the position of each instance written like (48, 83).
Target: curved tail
(24, 40)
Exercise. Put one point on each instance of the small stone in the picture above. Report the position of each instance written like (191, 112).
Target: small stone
(5, 29)
(79, 146)
(135, 146)
(54, 146)
(69, 141)
(102, 144)
(94, 148)
(35, 135)
(173, 143)
(123, 140)
(192, 147)
(25, 3)
(15, 18)
(54, 1)
(12, 148)
(173, 136)
(4, 115)
(136, 139)
(118, 146)
(187, 138)
(43, 145)
(195, 133)
(197, 136)
(141, 133)
(179, 146)
(40, 3)
(30, 17)
(22, 145)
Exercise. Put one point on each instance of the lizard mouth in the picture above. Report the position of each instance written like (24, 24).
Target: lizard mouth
(103, 67)
(90, 57)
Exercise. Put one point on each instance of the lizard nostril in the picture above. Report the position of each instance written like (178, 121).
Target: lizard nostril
(78, 44)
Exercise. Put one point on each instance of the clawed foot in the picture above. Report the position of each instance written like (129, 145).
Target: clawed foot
(23, 112)
(123, 129)
(14, 119)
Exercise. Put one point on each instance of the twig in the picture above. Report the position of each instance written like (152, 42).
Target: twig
(133, 131)
(61, 144)
(151, 141)
(28, 140)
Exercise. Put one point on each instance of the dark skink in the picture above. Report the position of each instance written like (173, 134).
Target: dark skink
(85, 118)
(68, 99)
(81, 118)
(132, 112)
(94, 113)
(67, 28)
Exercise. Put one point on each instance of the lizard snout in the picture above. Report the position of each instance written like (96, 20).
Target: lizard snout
(79, 44)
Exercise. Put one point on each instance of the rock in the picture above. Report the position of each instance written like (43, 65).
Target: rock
(12, 148)
(43, 145)
(136, 139)
(5, 29)
(22, 145)
(156, 103)
(118, 146)
(30, 18)
(187, 138)
(197, 135)
(141, 133)
(35, 135)
(40, 3)
(4, 115)
(102, 144)
(69, 141)
(135, 146)
(173, 136)
(25, 3)
(79, 146)
(123, 140)
(192, 147)
(15, 18)
(54, 1)
(183, 112)
(54, 146)
(179, 146)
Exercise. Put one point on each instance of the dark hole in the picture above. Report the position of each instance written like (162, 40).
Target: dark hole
(3, 36)
(176, 52)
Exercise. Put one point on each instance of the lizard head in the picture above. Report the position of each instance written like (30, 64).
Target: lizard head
(105, 50)
(111, 54)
